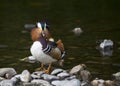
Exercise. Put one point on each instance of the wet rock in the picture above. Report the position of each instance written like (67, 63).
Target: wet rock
(7, 72)
(85, 75)
(77, 69)
(40, 82)
(7, 83)
(94, 83)
(109, 83)
(105, 47)
(49, 77)
(56, 71)
(16, 78)
(37, 75)
(27, 84)
(73, 82)
(25, 76)
(116, 76)
(71, 77)
(63, 75)
(1, 78)
(97, 82)
(84, 83)
(77, 31)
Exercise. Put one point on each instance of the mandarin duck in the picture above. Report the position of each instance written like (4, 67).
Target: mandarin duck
(44, 49)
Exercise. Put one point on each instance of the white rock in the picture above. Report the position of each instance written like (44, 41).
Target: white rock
(7, 72)
(77, 68)
(15, 78)
(85, 75)
(56, 71)
(49, 77)
(63, 74)
(105, 43)
(73, 82)
(42, 82)
(39, 73)
(71, 77)
(77, 31)
(116, 76)
(98, 82)
(25, 76)
(1, 78)
(35, 76)
(7, 83)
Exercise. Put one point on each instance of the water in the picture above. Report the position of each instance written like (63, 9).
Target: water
(98, 19)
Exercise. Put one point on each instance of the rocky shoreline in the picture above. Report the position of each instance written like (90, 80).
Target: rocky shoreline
(77, 76)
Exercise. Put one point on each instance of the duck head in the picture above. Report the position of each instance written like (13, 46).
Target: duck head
(41, 29)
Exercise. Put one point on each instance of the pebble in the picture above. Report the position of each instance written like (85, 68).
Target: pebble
(49, 77)
(41, 81)
(7, 72)
(77, 68)
(97, 82)
(116, 76)
(77, 31)
(63, 75)
(56, 71)
(7, 83)
(37, 74)
(109, 83)
(85, 75)
(73, 82)
(25, 76)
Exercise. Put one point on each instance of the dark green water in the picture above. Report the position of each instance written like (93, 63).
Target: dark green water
(99, 19)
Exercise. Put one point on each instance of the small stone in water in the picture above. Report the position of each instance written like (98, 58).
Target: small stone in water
(77, 31)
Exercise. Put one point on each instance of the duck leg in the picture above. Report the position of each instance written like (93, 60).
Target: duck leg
(40, 68)
(48, 69)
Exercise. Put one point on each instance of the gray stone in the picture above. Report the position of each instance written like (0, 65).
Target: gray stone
(77, 68)
(85, 75)
(109, 83)
(1, 78)
(7, 83)
(41, 82)
(116, 76)
(63, 74)
(49, 77)
(7, 72)
(73, 82)
(56, 71)
(77, 31)
(28, 84)
(98, 82)
(25, 76)
(71, 77)
(37, 74)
